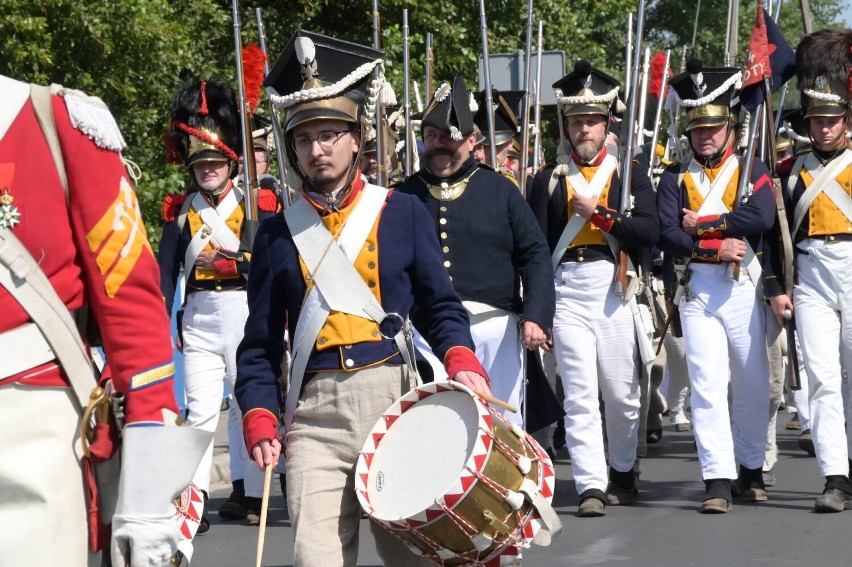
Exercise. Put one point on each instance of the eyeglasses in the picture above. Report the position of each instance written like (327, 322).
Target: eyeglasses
(326, 139)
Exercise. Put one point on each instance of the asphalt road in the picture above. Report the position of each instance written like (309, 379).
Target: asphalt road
(663, 529)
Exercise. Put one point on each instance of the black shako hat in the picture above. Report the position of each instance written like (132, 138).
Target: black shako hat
(449, 109)
(587, 90)
(709, 95)
(505, 104)
(317, 76)
(261, 128)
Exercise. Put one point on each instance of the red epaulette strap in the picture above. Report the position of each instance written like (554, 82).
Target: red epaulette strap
(267, 201)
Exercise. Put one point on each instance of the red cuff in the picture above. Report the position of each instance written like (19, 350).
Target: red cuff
(225, 267)
(711, 226)
(259, 424)
(461, 358)
(707, 249)
(604, 218)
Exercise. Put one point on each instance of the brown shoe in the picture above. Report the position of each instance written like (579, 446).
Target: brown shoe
(592, 504)
(716, 506)
(717, 499)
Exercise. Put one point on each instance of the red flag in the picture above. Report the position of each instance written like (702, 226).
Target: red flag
(757, 64)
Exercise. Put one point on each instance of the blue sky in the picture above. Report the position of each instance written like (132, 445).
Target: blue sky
(846, 16)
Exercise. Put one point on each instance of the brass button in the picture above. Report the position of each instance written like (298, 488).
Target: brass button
(371, 265)
(443, 209)
(348, 347)
(580, 258)
(350, 363)
(371, 248)
(322, 340)
(371, 283)
(447, 264)
(443, 235)
(375, 333)
(218, 286)
(443, 221)
(451, 278)
(446, 249)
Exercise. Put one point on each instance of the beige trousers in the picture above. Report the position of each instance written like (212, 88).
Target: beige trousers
(334, 415)
(42, 503)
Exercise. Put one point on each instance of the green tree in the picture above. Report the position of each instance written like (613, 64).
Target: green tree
(136, 54)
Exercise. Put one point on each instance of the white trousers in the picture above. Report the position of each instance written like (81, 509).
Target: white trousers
(724, 321)
(42, 502)
(676, 378)
(823, 300)
(775, 337)
(498, 348)
(595, 346)
(213, 325)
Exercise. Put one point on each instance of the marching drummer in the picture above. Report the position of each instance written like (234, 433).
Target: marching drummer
(344, 266)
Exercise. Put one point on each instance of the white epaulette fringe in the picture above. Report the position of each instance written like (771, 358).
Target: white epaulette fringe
(91, 116)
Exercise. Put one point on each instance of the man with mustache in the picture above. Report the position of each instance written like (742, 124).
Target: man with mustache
(577, 204)
(713, 236)
(820, 213)
(371, 254)
(489, 241)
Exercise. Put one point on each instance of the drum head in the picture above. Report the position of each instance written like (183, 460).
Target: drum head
(422, 455)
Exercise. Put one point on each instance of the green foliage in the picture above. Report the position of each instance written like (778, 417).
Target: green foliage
(135, 54)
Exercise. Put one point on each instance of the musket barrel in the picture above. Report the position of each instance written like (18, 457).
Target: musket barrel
(381, 168)
(486, 72)
(406, 100)
(628, 57)
(277, 135)
(537, 145)
(525, 111)
(429, 62)
(631, 115)
(249, 167)
(643, 99)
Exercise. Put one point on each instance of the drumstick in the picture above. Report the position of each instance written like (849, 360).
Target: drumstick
(496, 402)
(264, 509)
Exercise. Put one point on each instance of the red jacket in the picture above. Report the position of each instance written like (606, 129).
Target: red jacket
(93, 249)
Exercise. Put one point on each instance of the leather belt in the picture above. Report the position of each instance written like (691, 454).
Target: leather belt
(589, 253)
(27, 349)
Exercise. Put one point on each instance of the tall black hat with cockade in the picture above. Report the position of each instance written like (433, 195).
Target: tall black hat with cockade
(710, 95)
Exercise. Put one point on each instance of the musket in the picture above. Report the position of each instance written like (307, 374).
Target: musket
(658, 115)
(406, 97)
(732, 40)
(627, 157)
(795, 379)
(673, 152)
(381, 155)
(537, 145)
(277, 135)
(628, 57)
(745, 175)
(525, 109)
(486, 71)
(643, 99)
(430, 60)
(249, 166)
(806, 15)
(417, 98)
